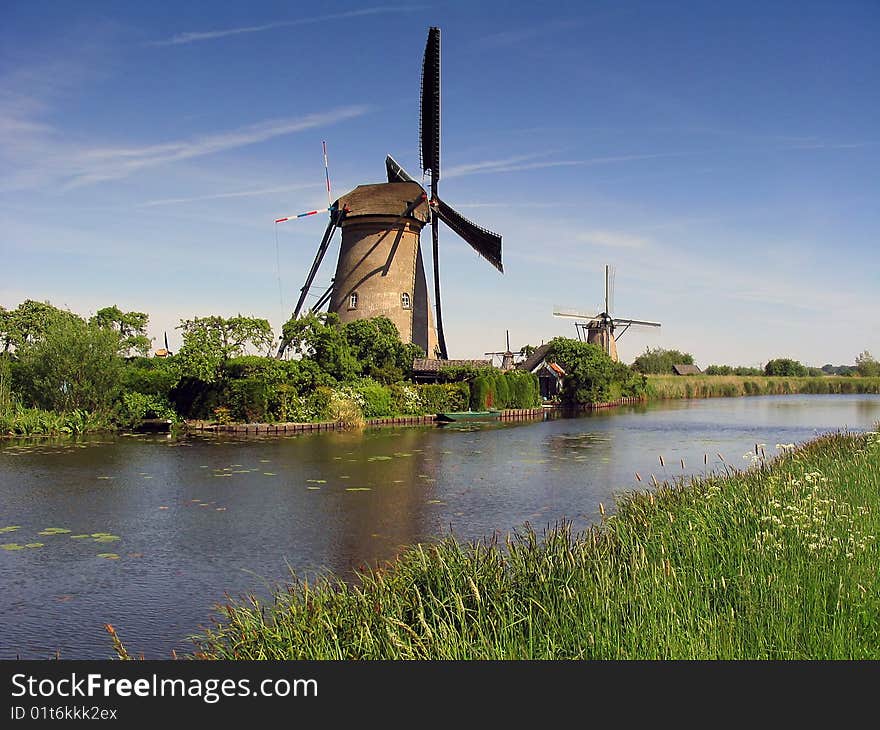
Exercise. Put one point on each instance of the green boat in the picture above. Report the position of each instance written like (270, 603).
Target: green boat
(452, 416)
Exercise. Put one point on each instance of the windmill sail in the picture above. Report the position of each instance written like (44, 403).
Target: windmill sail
(429, 121)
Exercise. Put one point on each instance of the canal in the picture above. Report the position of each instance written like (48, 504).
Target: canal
(148, 533)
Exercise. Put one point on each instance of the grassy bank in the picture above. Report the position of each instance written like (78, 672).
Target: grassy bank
(775, 562)
(720, 386)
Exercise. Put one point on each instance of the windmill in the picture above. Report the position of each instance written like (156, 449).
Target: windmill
(484, 242)
(380, 269)
(507, 362)
(599, 327)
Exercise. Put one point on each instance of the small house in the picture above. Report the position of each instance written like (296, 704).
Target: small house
(686, 370)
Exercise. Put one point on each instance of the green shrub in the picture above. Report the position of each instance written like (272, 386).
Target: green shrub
(255, 367)
(503, 397)
(440, 397)
(405, 399)
(373, 399)
(481, 394)
(248, 399)
(149, 375)
(133, 408)
(194, 398)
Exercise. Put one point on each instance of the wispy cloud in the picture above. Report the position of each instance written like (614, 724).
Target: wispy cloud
(197, 36)
(113, 163)
(520, 35)
(829, 146)
(612, 239)
(517, 164)
(236, 194)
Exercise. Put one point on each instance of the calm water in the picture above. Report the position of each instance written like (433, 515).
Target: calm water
(206, 516)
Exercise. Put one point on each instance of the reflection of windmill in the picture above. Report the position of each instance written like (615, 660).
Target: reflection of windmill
(507, 362)
(599, 327)
(484, 242)
(380, 269)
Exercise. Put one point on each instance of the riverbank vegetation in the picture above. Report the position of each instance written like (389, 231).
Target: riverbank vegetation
(726, 386)
(775, 560)
(61, 373)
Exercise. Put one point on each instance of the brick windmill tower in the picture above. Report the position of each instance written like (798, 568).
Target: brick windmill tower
(380, 270)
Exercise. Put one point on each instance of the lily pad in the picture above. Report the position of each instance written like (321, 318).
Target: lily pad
(313, 487)
(108, 556)
(357, 489)
(34, 545)
(317, 481)
(11, 546)
(379, 458)
(54, 531)
(11, 528)
(269, 473)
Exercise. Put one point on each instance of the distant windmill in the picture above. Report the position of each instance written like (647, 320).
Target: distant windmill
(507, 362)
(599, 327)
(164, 352)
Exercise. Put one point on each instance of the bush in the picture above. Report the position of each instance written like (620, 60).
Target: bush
(659, 361)
(440, 397)
(267, 369)
(373, 399)
(344, 409)
(502, 391)
(135, 407)
(405, 399)
(150, 376)
(481, 394)
(248, 400)
(786, 367)
(194, 398)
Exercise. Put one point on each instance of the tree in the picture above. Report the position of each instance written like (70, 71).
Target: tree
(376, 345)
(208, 342)
(74, 365)
(591, 376)
(783, 366)
(28, 323)
(660, 361)
(867, 366)
(131, 326)
(319, 337)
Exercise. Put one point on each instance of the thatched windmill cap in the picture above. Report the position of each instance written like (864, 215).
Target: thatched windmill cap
(385, 199)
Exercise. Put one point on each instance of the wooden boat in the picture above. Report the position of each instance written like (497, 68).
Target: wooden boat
(154, 425)
(454, 416)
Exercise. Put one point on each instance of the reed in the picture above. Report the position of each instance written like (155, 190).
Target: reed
(721, 386)
(777, 560)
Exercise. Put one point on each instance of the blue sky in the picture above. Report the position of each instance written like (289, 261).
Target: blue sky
(722, 157)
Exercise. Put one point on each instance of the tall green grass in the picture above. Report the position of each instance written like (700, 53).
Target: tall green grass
(718, 386)
(776, 561)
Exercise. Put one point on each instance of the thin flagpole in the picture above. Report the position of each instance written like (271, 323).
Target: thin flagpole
(327, 175)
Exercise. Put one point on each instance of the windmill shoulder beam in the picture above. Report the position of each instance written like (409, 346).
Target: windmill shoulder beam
(575, 315)
(620, 320)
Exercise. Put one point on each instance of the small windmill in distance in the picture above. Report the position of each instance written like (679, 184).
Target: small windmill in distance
(507, 362)
(598, 327)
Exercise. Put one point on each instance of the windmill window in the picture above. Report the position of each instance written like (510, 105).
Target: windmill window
(353, 300)
(405, 301)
